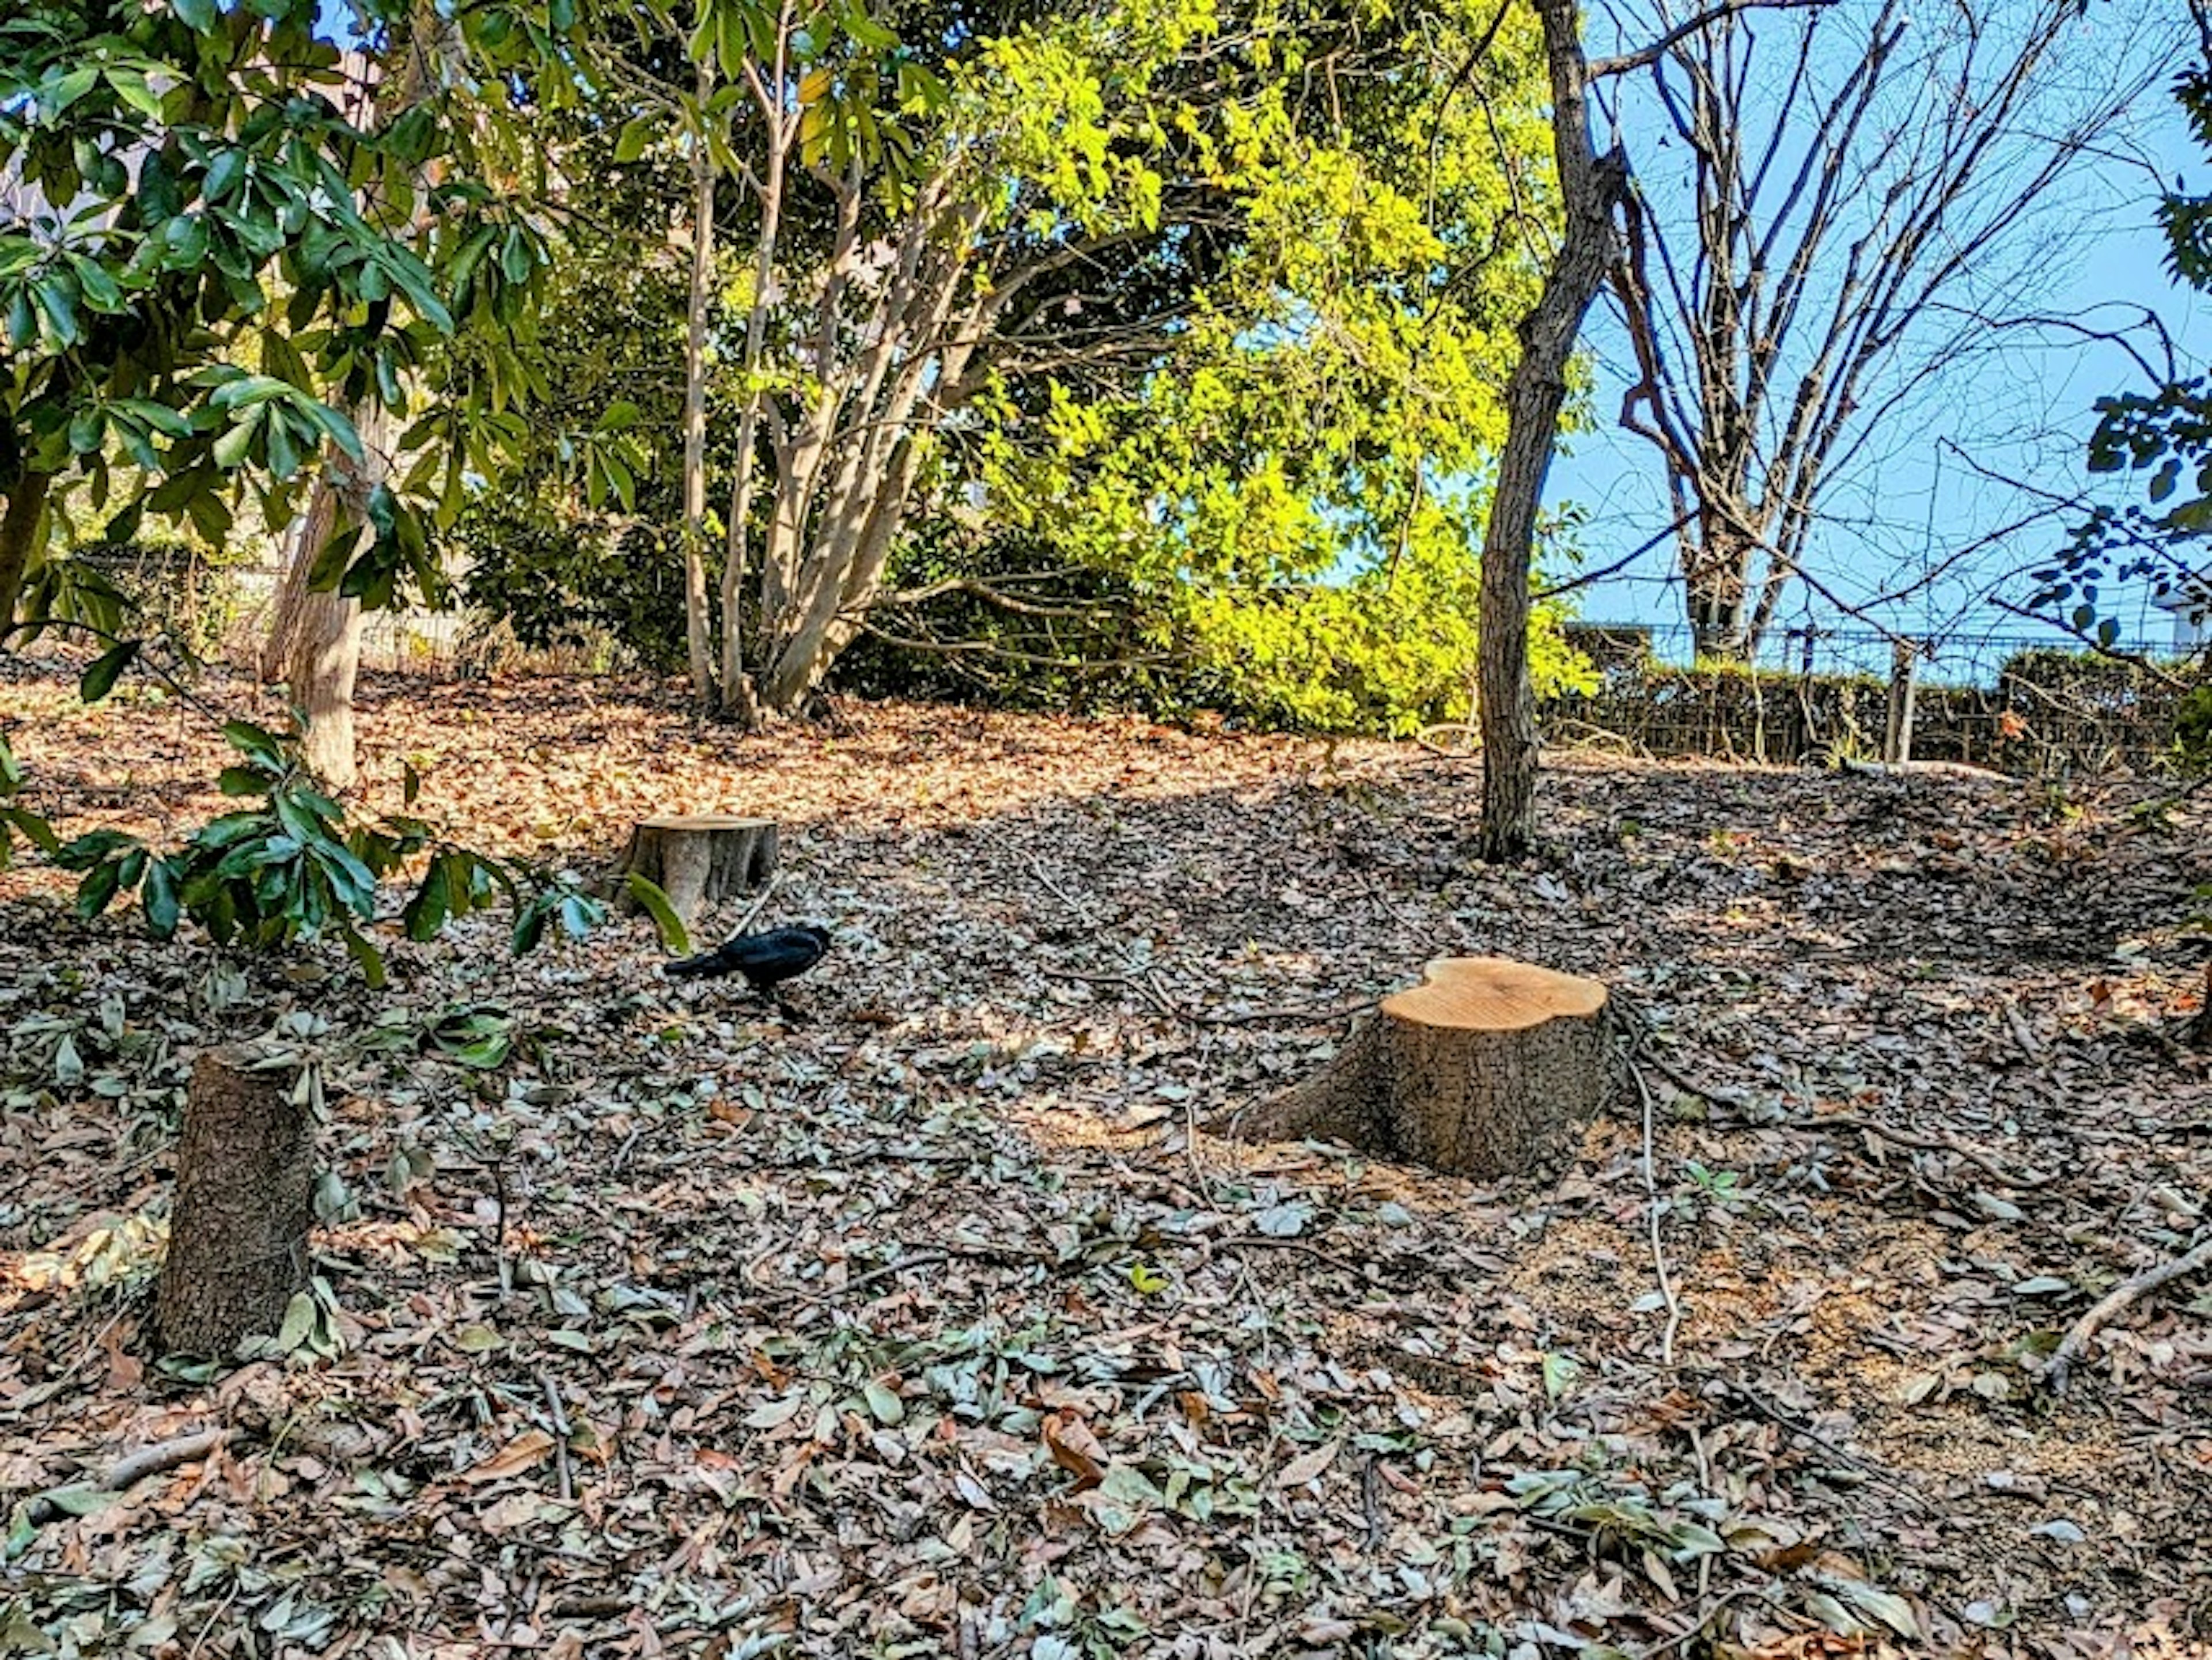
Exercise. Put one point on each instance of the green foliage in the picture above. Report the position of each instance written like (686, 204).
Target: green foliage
(673, 935)
(165, 587)
(560, 576)
(275, 252)
(288, 869)
(14, 820)
(1390, 652)
(2192, 730)
(2166, 433)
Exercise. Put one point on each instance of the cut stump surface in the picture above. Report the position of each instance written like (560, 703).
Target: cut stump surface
(1487, 1069)
(700, 859)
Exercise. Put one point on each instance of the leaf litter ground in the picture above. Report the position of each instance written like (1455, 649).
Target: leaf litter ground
(936, 1324)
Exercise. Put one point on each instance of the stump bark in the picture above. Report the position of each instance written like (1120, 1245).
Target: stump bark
(699, 858)
(238, 1231)
(1487, 1069)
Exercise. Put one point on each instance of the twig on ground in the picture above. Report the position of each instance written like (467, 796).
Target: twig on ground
(1265, 1241)
(134, 1467)
(1370, 1507)
(1705, 1616)
(1642, 1048)
(1140, 982)
(753, 910)
(560, 1438)
(915, 1257)
(2127, 1292)
(1946, 1143)
(1651, 1213)
(1314, 1013)
(1797, 1427)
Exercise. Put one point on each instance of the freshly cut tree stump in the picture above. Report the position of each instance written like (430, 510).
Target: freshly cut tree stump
(1487, 1069)
(246, 1175)
(702, 858)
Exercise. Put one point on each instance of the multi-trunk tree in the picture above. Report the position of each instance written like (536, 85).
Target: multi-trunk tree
(1207, 313)
(1184, 274)
(1845, 214)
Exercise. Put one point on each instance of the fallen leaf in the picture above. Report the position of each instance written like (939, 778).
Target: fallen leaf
(526, 1451)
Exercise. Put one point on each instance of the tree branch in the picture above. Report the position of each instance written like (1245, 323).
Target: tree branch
(1628, 61)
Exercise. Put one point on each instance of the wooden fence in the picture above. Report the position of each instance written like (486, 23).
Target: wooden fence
(2046, 712)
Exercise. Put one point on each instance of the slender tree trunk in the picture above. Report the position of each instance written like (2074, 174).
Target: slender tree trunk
(1712, 592)
(314, 639)
(1592, 187)
(698, 621)
(294, 596)
(20, 525)
(326, 663)
(323, 654)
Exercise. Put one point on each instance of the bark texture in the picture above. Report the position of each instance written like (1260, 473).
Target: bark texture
(294, 596)
(701, 859)
(238, 1233)
(1488, 1068)
(698, 624)
(1594, 186)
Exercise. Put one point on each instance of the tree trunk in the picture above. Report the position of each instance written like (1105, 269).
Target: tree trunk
(1713, 590)
(20, 525)
(1487, 1069)
(293, 594)
(326, 662)
(698, 622)
(1593, 187)
(699, 858)
(238, 1231)
(323, 658)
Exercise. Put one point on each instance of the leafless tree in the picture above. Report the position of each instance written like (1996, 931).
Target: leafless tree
(1594, 193)
(1848, 203)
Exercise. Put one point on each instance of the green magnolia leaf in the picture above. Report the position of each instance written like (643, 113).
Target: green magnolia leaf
(158, 897)
(256, 741)
(884, 1403)
(97, 890)
(129, 85)
(674, 938)
(33, 826)
(244, 780)
(100, 676)
(298, 1322)
(529, 929)
(370, 959)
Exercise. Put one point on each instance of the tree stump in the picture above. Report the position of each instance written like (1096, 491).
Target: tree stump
(238, 1231)
(1487, 1069)
(701, 858)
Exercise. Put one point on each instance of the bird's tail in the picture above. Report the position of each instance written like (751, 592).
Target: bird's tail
(699, 967)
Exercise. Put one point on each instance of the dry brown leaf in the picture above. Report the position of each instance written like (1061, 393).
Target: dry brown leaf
(1075, 1448)
(526, 1452)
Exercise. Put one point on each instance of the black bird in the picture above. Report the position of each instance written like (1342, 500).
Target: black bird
(766, 960)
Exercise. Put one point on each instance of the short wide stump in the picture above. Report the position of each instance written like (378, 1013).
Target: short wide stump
(1487, 1069)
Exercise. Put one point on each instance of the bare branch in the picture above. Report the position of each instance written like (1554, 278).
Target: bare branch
(1644, 57)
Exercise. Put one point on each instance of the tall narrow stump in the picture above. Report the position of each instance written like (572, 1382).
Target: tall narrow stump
(1487, 1069)
(702, 858)
(238, 1231)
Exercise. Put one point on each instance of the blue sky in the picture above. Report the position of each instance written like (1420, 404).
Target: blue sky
(1926, 501)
